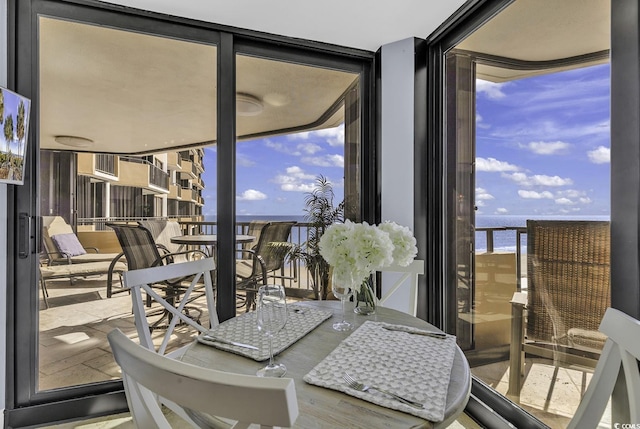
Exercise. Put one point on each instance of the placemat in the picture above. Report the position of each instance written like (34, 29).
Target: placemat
(243, 329)
(417, 367)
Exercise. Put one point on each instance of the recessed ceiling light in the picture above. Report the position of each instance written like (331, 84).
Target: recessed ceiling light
(74, 141)
(248, 105)
(277, 99)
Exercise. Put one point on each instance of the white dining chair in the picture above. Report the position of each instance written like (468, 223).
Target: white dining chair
(408, 276)
(196, 273)
(208, 396)
(621, 351)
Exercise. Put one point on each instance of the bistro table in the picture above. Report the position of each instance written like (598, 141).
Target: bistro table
(207, 240)
(326, 408)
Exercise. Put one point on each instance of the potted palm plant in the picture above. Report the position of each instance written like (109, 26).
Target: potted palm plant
(320, 213)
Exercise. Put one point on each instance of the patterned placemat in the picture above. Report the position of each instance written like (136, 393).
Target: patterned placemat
(417, 367)
(243, 329)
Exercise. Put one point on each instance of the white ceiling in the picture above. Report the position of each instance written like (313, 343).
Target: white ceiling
(363, 24)
(133, 93)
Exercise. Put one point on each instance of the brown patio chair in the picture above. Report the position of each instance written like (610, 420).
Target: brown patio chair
(267, 260)
(141, 251)
(568, 292)
(162, 231)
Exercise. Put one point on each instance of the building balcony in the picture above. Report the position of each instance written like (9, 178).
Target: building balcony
(141, 174)
(104, 167)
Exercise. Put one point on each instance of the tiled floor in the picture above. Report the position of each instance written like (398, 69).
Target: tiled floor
(74, 349)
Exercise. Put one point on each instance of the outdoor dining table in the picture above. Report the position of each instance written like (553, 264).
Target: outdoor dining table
(321, 407)
(207, 240)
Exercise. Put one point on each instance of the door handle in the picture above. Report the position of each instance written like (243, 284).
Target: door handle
(24, 235)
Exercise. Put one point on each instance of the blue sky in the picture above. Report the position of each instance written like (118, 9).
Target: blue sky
(542, 147)
(543, 144)
(273, 174)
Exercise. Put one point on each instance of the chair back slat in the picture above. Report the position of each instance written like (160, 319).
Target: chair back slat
(621, 351)
(162, 231)
(272, 246)
(272, 401)
(198, 273)
(405, 275)
(138, 246)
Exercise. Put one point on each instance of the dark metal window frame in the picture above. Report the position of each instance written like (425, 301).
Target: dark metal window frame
(25, 406)
(486, 405)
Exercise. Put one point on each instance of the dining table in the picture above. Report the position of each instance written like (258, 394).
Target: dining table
(207, 241)
(310, 355)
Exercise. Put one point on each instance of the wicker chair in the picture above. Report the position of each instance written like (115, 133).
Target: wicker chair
(568, 292)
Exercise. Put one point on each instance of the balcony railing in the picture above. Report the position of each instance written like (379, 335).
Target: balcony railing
(106, 163)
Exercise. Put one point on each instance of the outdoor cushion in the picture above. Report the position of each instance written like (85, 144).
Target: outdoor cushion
(68, 244)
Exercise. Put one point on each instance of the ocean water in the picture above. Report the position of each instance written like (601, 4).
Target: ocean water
(505, 241)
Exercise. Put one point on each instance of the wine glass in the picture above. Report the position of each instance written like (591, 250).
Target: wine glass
(342, 289)
(271, 317)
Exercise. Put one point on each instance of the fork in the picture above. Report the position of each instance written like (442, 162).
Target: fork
(356, 385)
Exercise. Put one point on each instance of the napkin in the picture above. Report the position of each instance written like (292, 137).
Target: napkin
(243, 329)
(414, 366)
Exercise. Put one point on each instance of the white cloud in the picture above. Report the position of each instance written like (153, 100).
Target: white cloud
(251, 195)
(600, 155)
(538, 179)
(482, 194)
(295, 180)
(571, 193)
(585, 200)
(493, 165)
(333, 136)
(547, 148)
(299, 136)
(564, 201)
(534, 195)
(501, 210)
(276, 146)
(325, 161)
(308, 148)
(492, 90)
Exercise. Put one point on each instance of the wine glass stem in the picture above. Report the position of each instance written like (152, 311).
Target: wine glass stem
(344, 313)
(270, 350)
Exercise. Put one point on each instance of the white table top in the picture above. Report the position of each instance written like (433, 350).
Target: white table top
(327, 408)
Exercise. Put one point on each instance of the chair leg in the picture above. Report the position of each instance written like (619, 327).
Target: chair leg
(516, 359)
(45, 292)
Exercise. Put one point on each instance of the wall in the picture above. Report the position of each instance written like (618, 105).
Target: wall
(397, 128)
(3, 224)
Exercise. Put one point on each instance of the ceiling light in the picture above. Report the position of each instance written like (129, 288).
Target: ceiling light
(248, 105)
(74, 141)
(277, 99)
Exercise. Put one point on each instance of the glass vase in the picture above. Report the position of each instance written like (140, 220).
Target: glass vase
(366, 300)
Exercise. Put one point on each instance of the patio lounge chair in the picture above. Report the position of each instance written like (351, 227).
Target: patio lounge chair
(62, 246)
(568, 277)
(51, 272)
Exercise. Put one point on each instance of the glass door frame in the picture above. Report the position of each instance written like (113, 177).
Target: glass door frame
(438, 205)
(25, 406)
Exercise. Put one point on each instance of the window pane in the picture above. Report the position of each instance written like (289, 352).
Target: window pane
(296, 126)
(124, 120)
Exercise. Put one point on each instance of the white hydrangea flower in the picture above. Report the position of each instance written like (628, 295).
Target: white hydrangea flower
(355, 250)
(404, 243)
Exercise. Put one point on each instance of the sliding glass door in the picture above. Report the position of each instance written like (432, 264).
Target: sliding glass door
(133, 119)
